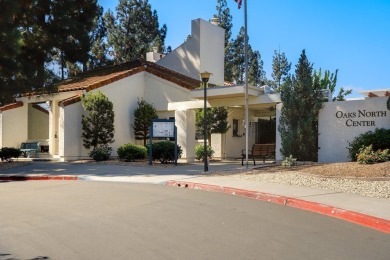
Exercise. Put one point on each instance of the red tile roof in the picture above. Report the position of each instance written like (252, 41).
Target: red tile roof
(69, 101)
(104, 76)
(11, 106)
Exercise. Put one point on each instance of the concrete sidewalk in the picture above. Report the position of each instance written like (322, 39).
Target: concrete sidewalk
(367, 211)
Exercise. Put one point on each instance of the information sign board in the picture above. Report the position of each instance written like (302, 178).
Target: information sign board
(163, 129)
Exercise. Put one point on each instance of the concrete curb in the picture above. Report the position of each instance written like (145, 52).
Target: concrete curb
(38, 178)
(379, 224)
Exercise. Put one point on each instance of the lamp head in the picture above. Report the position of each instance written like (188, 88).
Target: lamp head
(205, 75)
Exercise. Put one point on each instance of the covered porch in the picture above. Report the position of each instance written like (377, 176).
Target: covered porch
(261, 119)
(33, 121)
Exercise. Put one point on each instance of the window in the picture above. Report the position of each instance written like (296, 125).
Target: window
(235, 127)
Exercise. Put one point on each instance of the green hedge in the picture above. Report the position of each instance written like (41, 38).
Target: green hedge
(101, 153)
(165, 151)
(199, 152)
(6, 153)
(379, 139)
(132, 152)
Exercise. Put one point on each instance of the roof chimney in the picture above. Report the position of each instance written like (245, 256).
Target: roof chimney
(154, 56)
(215, 21)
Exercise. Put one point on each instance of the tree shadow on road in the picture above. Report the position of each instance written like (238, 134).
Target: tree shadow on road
(9, 257)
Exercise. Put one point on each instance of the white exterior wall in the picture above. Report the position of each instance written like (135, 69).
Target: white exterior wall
(38, 124)
(185, 123)
(160, 92)
(204, 51)
(53, 128)
(338, 125)
(217, 143)
(69, 133)
(124, 95)
(234, 145)
(14, 126)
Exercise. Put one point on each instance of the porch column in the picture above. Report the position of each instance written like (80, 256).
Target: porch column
(185, 123)
(53, 127)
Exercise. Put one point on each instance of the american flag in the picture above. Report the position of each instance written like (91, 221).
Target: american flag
(239, 2)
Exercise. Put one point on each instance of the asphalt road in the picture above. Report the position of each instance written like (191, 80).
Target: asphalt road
(103, 220)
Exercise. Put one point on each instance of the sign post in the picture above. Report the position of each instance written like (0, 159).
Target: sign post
(163, 128)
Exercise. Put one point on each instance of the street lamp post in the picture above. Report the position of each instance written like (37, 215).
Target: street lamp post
(205, 78)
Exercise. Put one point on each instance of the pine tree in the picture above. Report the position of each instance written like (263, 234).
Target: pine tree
(256, 73)
(98, 123)
(9, 49)
(143, 117)
(72, 24)
(238, 62)
(133, 30)
(219, 123)
(99, 55)
(225, 21)
(34, 23)
(280, 69)
(301, 97)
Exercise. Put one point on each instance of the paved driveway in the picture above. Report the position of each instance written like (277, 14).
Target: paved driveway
(106, 220)
(137, 174)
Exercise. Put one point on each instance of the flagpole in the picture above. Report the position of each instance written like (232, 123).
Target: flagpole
(246, 84)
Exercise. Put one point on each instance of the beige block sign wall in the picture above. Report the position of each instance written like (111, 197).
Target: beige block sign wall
(340, 122)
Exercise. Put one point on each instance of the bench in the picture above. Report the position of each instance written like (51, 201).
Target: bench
(29, 148)
(263, 151)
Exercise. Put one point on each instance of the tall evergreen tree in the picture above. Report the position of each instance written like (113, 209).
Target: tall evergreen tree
(143, 117)
(256, 73)
(35, 21)
(219, 123)
(9, 48)
(133, 30)
(98, 123)
(238, 62)
(301, 97)
(280, 69)
(53, 31)
(71, 26)
(99, 55)
(225, 21)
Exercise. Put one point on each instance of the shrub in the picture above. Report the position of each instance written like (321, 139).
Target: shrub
(367, 155)
(101, 153)
(379, 139)
(289, 161)
(165, 151)
(6, 153)
(199, 152)
(132, 152)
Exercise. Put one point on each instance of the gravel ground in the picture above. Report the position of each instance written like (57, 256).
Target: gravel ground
(367, 180)
(371, 188)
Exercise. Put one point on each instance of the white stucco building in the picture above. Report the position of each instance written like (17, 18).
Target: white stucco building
(168, 82)
(171, 83)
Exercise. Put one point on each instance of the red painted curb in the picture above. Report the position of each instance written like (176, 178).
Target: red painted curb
(380, 224)
(38, 178)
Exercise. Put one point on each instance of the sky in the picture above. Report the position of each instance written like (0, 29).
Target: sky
(352, 36)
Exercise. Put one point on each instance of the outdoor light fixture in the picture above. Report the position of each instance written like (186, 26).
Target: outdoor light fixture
(205, 78)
